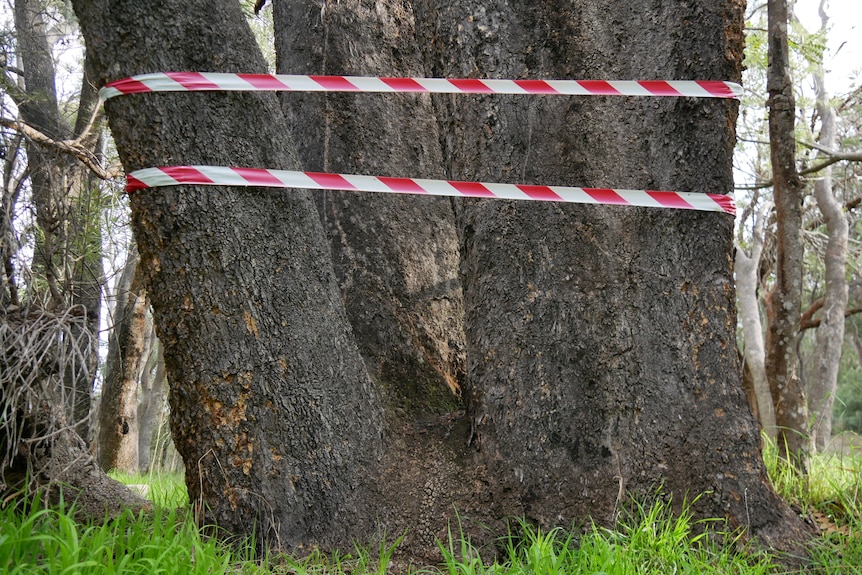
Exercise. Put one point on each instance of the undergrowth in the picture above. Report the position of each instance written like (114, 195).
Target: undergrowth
(649, 538)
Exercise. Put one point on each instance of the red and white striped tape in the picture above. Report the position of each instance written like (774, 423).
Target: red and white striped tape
(211, 81)
(225, 176)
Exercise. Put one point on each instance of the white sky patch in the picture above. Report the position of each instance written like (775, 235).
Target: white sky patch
(844, 40)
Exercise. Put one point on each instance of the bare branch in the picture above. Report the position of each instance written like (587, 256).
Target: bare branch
(69, 147)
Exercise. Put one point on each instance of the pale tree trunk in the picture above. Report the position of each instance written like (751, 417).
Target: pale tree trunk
(830, 333)
(746, 270)
(396, 256)
(127, 346)
(783, 303)
(153, 392)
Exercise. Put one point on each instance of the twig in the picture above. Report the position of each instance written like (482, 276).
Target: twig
(69, 147)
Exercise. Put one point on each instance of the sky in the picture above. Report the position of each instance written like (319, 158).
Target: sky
(844, 55)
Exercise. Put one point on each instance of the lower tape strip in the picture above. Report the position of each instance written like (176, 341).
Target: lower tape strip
(227, 176)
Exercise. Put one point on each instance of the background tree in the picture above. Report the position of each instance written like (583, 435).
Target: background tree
(50, 312)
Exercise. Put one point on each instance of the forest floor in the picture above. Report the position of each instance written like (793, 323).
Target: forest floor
(649, 539)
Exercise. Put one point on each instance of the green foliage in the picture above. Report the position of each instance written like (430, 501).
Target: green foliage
(649, 538)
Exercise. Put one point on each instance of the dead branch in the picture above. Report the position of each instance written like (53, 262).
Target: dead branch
(72, 148)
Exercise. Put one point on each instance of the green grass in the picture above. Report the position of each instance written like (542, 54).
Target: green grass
(43, 540)
(166, 490)
(648, 539)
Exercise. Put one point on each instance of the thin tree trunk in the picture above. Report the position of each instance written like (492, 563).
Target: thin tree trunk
(118, 408)
(153, 392)
(830, 333)
(784, 302)
(747, 280)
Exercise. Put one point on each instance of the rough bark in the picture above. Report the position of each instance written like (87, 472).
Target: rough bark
(396, 257)
(746, 270)
(783, 303)
(601, 341)
(118, 408)
(830, 333)
(601, 355)
(271, 406)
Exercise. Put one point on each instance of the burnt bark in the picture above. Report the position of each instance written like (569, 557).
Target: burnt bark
(601, 341)
(783, 304)
(271, 406)
(396, 257)
(601, 354)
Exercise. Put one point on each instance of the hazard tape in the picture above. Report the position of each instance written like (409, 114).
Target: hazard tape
(226, 176)
(211, 81)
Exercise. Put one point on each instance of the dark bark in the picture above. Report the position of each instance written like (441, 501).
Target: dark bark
(601, 341)
(783, 304)
(272, 409)
(396, 257)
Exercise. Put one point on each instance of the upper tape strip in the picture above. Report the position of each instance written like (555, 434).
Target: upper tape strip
(217, 81)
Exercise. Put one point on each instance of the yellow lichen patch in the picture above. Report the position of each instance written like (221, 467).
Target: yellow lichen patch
(251, 324)
(719, 412)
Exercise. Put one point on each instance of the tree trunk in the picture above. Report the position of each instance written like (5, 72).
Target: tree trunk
(153, 392)
(601, 341)
(830, 333)
(118, 408)
(396, 257)
(747, 280)
(783, 304)
(271, 406)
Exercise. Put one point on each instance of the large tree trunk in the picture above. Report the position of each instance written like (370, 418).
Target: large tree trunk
(784, 302)
(601, 341)
(271, 406)
(118, 408)
(396, 257)
(830, 332)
